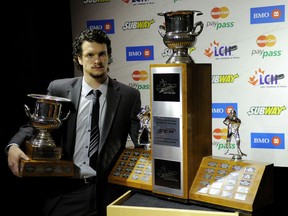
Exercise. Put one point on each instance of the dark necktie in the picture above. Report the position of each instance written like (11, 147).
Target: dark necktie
(95, 134)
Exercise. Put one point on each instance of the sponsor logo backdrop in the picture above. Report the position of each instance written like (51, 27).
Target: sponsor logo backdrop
(246, 43)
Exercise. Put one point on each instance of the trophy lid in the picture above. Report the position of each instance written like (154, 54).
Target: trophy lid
(49, 97)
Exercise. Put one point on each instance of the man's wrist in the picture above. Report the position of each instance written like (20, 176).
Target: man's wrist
(8, 147)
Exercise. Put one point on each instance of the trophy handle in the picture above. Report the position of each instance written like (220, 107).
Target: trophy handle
(162, 30)
(201, 25)
(66, 116)
(27, 111)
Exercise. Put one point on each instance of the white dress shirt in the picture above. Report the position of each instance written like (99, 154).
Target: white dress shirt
(80, 157)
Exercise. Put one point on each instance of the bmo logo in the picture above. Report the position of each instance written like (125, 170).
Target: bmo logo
(105, 25)
(140, 53)
(221, 110)
(268, 14)
(268, 140)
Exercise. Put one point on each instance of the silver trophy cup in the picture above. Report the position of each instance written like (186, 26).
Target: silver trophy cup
(46, 117)
(180, 33)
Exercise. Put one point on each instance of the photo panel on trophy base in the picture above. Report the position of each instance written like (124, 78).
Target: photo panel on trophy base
(181, 125)
(236, 184)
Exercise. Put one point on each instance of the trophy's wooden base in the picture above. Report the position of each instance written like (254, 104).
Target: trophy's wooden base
(43, 152)
(243, 185)
(38, 168)
(133, 169)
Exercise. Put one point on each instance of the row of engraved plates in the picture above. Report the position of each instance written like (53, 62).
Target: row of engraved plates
(244, 185)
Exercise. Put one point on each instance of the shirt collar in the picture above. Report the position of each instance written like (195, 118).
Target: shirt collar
(103, 87)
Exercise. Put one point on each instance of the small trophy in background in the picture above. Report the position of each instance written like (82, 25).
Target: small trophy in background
(144, 136)
(233, 124)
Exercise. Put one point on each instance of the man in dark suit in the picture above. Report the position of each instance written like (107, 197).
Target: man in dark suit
(88, 193)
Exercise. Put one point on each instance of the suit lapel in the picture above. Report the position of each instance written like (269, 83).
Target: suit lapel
(113, 98)
(74, 95)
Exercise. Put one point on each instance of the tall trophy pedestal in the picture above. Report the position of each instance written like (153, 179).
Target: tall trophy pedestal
(181, 125)
(242, 185)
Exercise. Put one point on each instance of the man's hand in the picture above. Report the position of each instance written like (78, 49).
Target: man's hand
(15, 154)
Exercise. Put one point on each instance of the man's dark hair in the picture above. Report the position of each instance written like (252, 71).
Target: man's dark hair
(90, 35)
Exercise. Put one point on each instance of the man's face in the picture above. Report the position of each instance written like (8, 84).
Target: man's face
(94, 59)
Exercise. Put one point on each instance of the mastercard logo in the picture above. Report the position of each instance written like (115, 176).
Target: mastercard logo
(269, 40)
(140, 75)
(276, 141)
(220, 133)
(217, 12)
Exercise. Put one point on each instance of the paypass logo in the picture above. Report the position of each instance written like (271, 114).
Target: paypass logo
(268, 14)
(265, 48)
(267, 140)
(140, 76)
(139, 53)
(217, 14)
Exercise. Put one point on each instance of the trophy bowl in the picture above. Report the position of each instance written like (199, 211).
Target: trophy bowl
(46, 117)
(180, 33)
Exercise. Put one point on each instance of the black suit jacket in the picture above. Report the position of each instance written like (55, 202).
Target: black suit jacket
(123, 105)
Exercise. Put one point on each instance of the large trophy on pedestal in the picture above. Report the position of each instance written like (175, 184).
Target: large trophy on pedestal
(45, 155)
(180, 33)
(180, 107)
